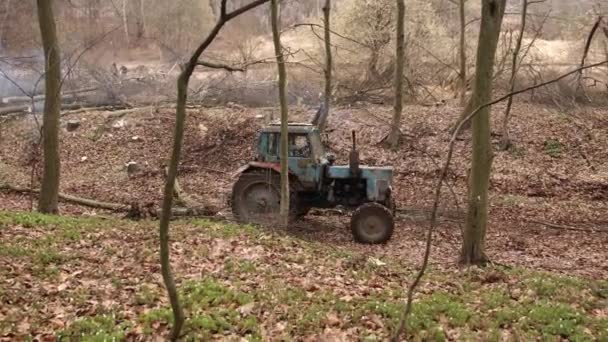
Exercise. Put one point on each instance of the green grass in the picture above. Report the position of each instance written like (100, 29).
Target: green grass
(553, 148)
(241, 294)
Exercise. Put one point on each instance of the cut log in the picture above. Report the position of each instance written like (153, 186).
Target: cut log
(133, 211)
(75, 108)
(116, 207)
(14, 110)
(72, 125)
(67, 95)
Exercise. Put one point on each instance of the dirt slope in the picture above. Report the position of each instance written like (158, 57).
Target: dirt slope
(557, 173)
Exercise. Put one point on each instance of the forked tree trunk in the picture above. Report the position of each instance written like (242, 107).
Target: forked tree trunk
(473, 245)
(463, 54)
(395, 133)
(321, 120)
(49, 193)
(178, 137)
(505, 141)
(278, 51)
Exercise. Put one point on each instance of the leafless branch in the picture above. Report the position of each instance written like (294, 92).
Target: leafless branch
(219, 66)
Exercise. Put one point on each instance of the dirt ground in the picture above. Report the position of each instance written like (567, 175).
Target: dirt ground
(553, 181)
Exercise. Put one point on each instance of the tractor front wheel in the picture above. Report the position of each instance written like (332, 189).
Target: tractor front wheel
(372, 223)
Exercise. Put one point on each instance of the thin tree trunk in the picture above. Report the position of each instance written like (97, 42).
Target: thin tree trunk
(125, 22)
(49, 193)
(278, 51)
(463, 54)
(141, 21)
(324, 113)
(505, 141)
(395, 133)
(473, 246)
(178, 137)
(579, 87)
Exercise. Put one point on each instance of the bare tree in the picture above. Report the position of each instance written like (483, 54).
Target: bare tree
(178, 137)
(462, 49)
(278, 51)
(49, 193)
(125, 21)
(505, 142)
(320, 119)
(395, 133)
(596, 26)
(473, 246)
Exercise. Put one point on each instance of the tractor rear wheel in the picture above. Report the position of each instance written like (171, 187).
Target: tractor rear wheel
(256, 197)
(372, 223)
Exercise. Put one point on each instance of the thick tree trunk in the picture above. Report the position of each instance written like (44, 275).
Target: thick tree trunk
(321, 120)
(463, 54)
(278, 51)
(395, 133)
(49, 194)
(473, 246)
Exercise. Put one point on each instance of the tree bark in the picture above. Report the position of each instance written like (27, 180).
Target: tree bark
(49, 194)
(178, 137)
(395, 132)
(278, 51)
(463, 54)
(505, 141)
(473, 246)
(125, 22)
(321, 120)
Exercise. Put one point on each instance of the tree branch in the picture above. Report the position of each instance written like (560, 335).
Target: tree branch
(213, 65)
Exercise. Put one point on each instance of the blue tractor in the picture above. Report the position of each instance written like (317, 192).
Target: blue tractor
(315, 182)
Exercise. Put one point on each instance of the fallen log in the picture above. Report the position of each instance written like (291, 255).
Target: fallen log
(14, 110)
(67, 95)
(133, 211)
(116, 207)
(76, 108)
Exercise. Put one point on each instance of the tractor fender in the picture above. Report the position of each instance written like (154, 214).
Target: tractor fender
(258, 165)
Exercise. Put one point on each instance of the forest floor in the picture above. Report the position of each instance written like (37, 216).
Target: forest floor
(99, 279)
(553, 183)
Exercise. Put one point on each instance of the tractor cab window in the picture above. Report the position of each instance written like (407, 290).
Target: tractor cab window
(299, 146)
(273, 144)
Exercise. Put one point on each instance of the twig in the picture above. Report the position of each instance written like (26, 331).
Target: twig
(440, 182)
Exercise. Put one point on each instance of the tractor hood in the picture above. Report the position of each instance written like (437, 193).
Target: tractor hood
(378, 179)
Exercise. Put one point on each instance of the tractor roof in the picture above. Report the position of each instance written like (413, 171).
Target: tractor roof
(293, 127)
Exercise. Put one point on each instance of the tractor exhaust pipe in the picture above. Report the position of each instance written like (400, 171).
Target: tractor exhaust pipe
(353, 159)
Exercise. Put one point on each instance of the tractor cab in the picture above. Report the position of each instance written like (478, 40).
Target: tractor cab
(306, 153)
